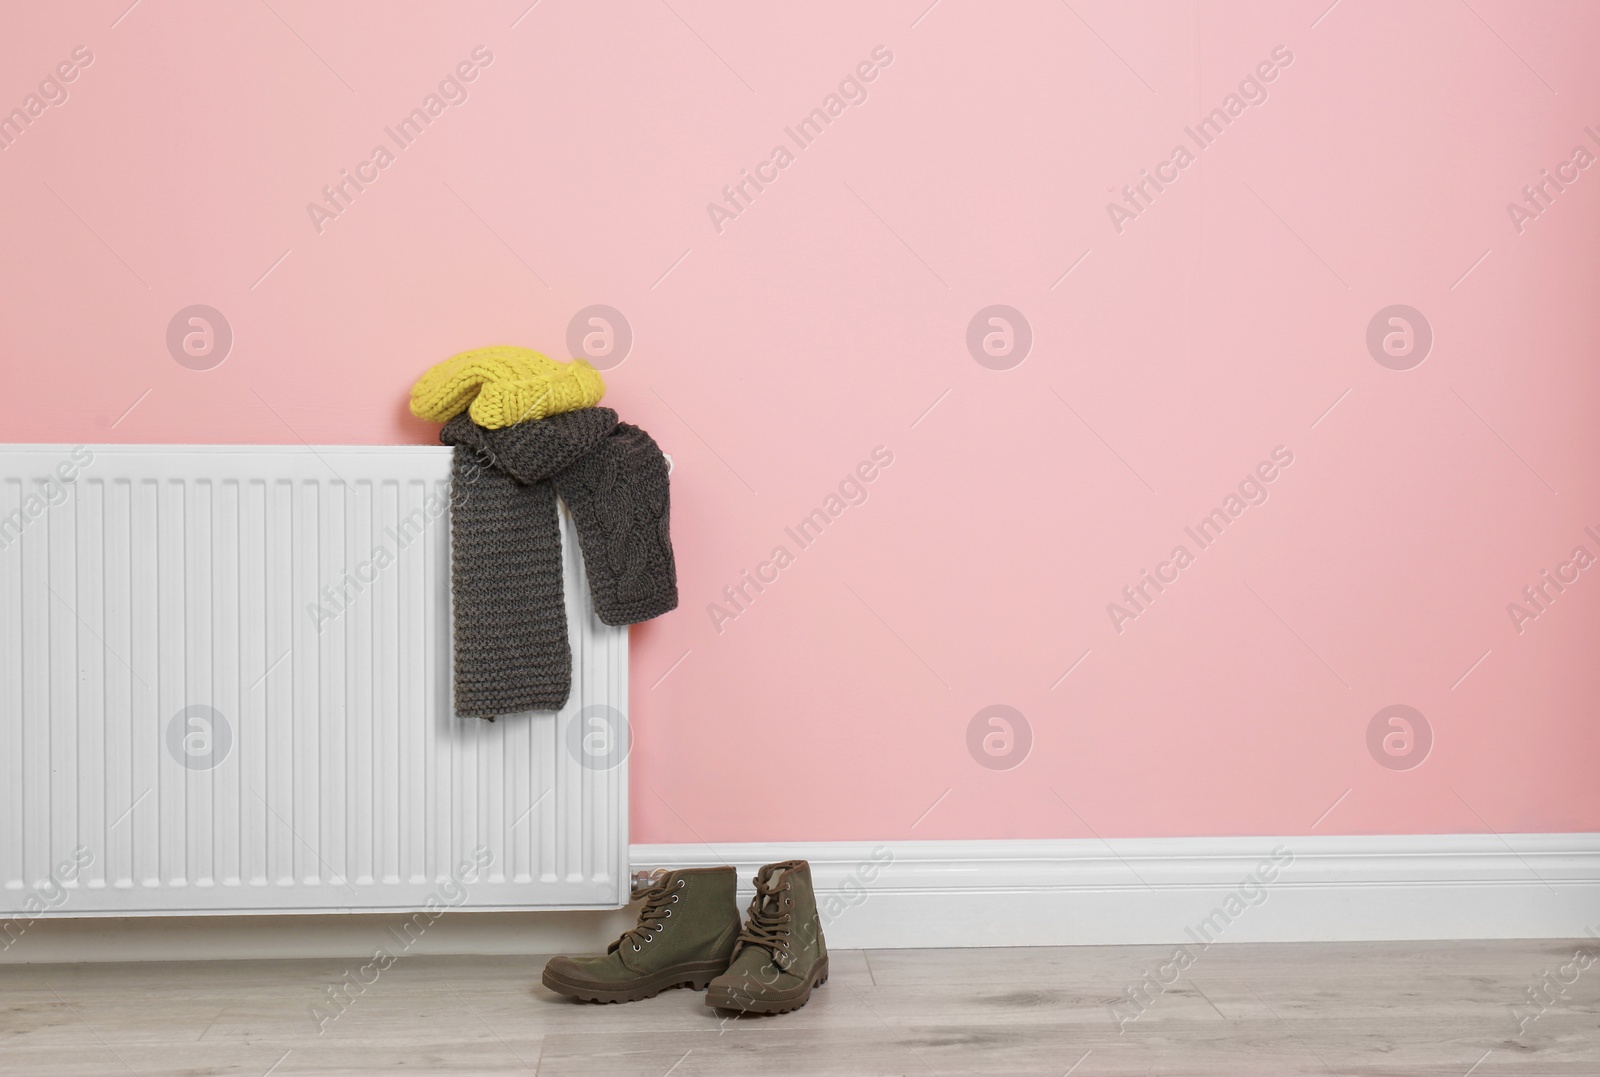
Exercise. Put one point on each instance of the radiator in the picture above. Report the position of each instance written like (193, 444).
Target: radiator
(225, 686)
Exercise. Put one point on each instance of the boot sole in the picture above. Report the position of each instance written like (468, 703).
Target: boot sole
(722, 998)
(697, 977)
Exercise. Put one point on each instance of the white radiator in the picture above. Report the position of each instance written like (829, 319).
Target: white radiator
(225, 687)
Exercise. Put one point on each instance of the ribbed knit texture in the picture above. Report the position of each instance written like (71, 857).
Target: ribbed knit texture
(503, 385)
(512, 652)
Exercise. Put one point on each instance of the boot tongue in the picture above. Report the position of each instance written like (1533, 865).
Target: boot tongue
(768, 886)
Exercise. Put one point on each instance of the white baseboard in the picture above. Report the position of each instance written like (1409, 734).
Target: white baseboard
(350, 936)
(1160, 890)
(992, 893)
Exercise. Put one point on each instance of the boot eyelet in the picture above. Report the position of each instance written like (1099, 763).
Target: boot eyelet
(674, 899)
(636, 948)
(666, 913)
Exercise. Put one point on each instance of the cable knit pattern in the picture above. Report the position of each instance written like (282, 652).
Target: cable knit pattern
(512, 652)
(504, 385)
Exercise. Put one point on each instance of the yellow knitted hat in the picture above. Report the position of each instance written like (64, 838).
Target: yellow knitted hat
(503, 385)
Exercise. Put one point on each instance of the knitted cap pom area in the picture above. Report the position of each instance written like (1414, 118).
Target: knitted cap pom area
(503, 385)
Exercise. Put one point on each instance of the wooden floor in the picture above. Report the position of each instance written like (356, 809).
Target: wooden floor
(1239, 1010)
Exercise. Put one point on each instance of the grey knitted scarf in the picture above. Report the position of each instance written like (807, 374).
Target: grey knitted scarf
(512, 652)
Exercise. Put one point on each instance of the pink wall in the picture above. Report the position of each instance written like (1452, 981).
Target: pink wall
(772, 357)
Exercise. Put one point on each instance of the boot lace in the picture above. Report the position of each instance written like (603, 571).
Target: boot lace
(658, 897)
(770, 922)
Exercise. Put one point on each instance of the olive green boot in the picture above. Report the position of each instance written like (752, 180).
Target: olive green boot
(686, 934)
(781, 954)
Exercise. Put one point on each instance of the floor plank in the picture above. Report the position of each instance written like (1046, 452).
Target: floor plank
(1434, 1009)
